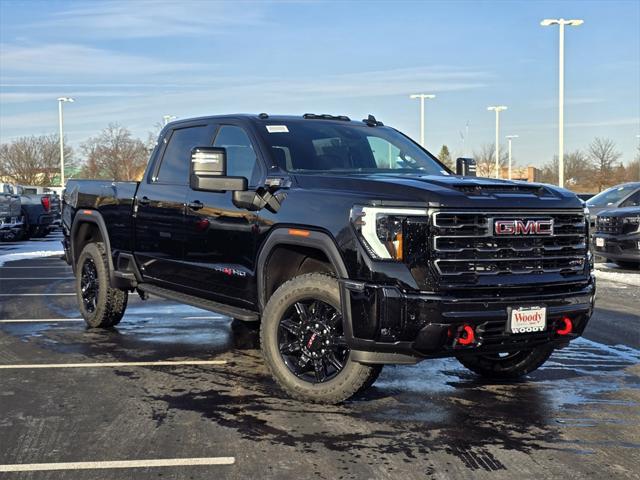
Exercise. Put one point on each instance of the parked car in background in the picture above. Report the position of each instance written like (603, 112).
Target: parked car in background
(618, 196)
(39, 211)
(11, 218)
(55, 193)
(617, 236)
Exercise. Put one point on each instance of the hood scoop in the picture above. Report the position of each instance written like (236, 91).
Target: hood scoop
(498, 188)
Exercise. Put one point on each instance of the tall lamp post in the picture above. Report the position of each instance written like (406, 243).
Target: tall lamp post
(422, 97)
(62, 100)
(561, 22)
(497, 109)
(510, 138)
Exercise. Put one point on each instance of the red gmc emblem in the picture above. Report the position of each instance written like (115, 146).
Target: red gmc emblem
(522, 227)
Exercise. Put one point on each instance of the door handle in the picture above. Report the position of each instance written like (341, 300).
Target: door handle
(144, 201)
(195, 205)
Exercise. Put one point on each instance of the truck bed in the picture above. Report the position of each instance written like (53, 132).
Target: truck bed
(114, 200)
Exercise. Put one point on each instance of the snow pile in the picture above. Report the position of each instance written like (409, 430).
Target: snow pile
(46, 248)
(606, 272)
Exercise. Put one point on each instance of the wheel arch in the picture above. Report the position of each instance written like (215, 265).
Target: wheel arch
(301, 240)
(85, 224)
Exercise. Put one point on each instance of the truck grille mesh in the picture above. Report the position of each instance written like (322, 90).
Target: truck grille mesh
(464, 245)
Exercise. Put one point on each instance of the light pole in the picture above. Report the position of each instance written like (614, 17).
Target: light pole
(167, 118)
(497, 109)
(561, 22)
(422, 97)
(62, 100)
(509, 138)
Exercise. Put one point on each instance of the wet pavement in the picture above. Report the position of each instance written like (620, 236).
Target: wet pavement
(576, 417)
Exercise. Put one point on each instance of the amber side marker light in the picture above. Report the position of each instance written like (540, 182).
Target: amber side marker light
(88, 212)
(566, 329)
(299, 233)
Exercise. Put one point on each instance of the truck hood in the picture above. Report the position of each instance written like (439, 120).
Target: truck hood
(444, 191)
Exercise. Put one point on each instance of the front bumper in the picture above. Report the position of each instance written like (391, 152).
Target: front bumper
(618, 247)
(384, 324)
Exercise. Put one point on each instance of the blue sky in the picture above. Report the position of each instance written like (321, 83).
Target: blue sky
(134, 61)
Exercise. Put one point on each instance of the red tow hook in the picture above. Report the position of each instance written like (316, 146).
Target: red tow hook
(566, 328)
(466, 335)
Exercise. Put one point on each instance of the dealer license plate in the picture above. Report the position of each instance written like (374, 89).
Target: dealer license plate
(527, 320)
(599, 242)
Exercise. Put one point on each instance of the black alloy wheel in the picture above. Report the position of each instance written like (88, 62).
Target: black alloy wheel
(89, 285)
(311, 341)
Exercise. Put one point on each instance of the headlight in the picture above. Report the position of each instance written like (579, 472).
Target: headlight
(630, 224)
(381, 229)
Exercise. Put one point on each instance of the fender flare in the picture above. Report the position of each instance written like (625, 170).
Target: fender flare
(90, 216)
(281, 236)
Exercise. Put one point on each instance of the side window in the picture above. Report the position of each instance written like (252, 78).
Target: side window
(632, 201)
(176, 160)
(241, 157)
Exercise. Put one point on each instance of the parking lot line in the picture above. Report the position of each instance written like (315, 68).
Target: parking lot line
(61, 266)
(164, 462)
(160, 363)
(36, 294)
(37, 278)
(41, 320)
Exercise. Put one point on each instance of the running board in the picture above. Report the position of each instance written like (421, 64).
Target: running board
(234, 312)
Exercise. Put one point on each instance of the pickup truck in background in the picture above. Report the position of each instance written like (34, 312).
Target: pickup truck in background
(352, 245)
(11, 217)
(41, 212)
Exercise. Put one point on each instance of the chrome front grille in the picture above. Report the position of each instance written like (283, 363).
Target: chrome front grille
(465, 245)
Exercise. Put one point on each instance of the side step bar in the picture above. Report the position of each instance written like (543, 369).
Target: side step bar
(234, 312)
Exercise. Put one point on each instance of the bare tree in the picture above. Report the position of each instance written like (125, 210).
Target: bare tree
(33, 160)
(115, 155)
(578, 171)
(603, 157)
(486, 160)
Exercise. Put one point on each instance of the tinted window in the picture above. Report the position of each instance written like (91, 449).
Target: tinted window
(241, 157)
(611, 196)
(632, 201)
(322, 146)
(177, 156)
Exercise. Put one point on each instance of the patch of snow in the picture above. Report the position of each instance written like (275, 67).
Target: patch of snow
(25, 250)
(608, 272)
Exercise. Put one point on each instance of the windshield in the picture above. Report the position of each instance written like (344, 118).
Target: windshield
(611, 196)
(308, 146)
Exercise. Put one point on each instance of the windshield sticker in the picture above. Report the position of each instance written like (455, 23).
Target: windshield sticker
(277, 129)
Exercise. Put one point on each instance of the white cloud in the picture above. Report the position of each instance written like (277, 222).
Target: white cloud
(78, 62)
(153, 18)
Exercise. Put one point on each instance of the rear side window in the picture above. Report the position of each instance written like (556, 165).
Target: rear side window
(632, 201)
(174, 167)
(241, 157)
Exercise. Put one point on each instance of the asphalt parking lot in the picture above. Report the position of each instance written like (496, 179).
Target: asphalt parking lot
(179, 393)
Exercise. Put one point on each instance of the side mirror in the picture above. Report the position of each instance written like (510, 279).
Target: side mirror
(466, 167)
(209, 171)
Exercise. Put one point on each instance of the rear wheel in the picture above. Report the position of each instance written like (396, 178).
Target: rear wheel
(101, 305)
(507, 365)
(303, 342)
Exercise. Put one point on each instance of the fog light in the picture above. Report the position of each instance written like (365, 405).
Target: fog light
(566, 328)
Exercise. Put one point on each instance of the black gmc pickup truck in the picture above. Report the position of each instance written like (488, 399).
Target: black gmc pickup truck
(352, 245)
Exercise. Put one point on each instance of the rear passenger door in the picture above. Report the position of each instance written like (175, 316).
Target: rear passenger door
(221, 250)
(160, 204)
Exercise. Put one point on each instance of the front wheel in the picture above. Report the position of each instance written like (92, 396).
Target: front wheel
(303, 342)
(101, 305)
(505, 366)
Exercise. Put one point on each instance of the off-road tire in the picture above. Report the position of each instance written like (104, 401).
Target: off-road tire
(349, 381)
(111, 303)
(509, 368)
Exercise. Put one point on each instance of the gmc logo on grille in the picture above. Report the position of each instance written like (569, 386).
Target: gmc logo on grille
(521, 227)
